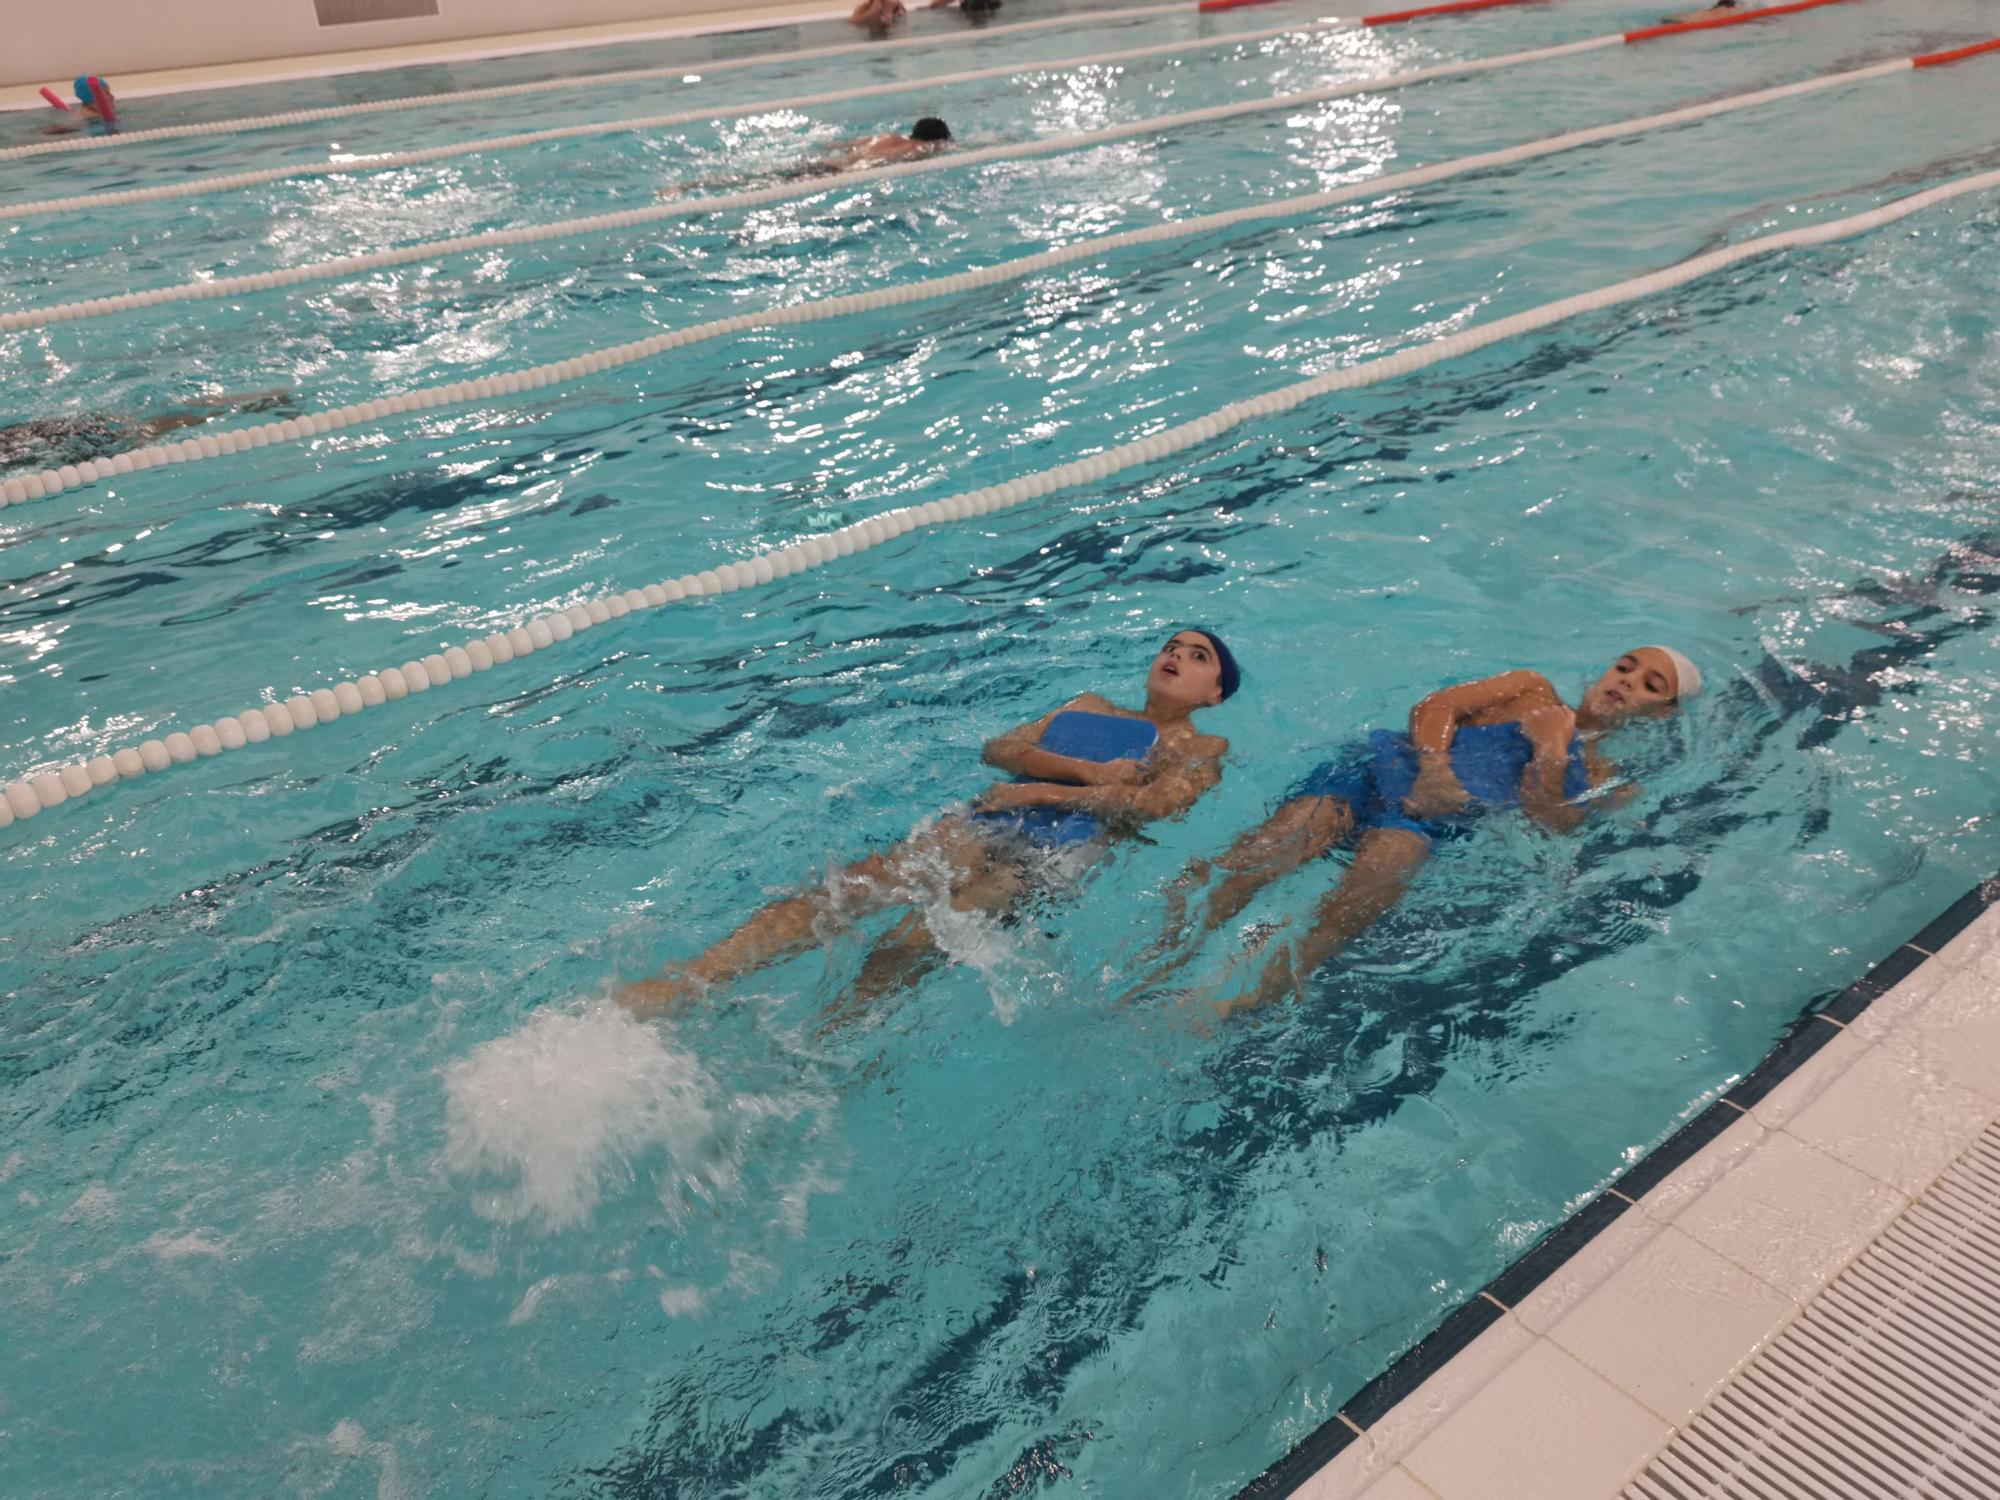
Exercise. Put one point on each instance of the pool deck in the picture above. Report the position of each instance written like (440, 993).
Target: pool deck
(1583, 1369)
(140, 85)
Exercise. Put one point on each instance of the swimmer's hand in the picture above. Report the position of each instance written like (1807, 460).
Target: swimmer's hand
(1437, 792)
(1550, 730)
(1114, 773)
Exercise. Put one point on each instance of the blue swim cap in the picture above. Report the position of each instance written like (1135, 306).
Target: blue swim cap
(1230, 676)
(83, 89)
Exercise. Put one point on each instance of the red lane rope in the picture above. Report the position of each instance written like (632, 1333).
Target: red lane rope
(1709, 23)
(1391, 17)
(1939, 59)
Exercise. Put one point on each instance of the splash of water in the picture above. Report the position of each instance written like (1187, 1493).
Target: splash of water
(570, 1103)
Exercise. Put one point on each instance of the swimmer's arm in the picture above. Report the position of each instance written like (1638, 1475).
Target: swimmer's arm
(1434, 721)
(1550, 729)
(1019, 753)
(1172, 789)
(1175, 785)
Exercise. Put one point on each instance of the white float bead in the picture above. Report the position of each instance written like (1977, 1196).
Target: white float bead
(48, 789)
(205, 740)
(131, 765)
(597, 611)
(439, 670)
(347, 697)
(501, 646)
(560, 628)
(478, 655)
(103, 770)
(304, 715)
(416, 676)
(326, 707)
(229, 731)
(540, 633)
(154, 754)
(579, 617)
(22, 801)
(457, 662)
(75, 780)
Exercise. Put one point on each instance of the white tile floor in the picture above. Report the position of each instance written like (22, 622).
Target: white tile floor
(1574, 1391)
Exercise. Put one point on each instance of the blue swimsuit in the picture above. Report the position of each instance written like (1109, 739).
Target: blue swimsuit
(1082, 736)
(1374, 776)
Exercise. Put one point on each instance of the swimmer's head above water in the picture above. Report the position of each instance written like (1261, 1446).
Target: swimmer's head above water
(1648, 680)
(1194, 669)
(930, 130)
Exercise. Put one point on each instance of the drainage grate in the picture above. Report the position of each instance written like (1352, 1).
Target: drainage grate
(1887, 1385)
(342, 12)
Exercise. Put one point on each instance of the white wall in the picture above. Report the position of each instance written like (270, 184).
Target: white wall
(46, 39)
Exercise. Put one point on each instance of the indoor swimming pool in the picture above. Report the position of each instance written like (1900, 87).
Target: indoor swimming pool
(329, 1166)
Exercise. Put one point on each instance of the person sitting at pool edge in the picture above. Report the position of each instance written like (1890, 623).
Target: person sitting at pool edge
(1090, 771)
(880, 15)
(1501, 742)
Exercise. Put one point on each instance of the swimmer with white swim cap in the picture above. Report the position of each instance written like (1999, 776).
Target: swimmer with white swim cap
(1502, 742)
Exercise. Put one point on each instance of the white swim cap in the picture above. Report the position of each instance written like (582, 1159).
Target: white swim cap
(1687, 676)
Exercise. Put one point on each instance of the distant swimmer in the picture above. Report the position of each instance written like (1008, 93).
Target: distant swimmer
(1089, 772)
(51, 442)
(1720, 8)
(1499, 743)
(94, 102)
(927, 137)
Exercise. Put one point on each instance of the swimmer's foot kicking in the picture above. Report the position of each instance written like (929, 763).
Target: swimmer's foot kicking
(1501, 742)
(1086, 773)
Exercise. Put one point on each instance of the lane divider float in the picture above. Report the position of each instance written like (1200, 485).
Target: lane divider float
(20, 488)
(1730, 18)
(28, 796)
(596, 80)
(390, 161)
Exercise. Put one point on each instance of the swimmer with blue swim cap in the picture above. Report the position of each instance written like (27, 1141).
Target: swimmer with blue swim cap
(94, 101)
(1085, 774)
(1502, 743)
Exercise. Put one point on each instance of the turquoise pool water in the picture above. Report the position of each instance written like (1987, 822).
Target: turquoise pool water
(326, 1169)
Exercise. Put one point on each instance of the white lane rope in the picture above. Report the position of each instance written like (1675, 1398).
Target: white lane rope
(213, 287)
(579, 84)
(28, 796)
(20, 488)
(389, 161)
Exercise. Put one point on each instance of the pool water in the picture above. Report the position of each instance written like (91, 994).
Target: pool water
(327, 1168)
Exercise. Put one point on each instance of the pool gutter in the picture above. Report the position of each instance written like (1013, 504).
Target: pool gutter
(1763, 1198)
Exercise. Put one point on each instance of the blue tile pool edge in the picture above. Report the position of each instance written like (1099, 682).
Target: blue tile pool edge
(1821, 1019)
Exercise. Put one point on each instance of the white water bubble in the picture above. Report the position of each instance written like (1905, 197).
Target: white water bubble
(573, 1102)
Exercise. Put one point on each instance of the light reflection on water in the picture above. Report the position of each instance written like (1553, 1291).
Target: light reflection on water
(329, 1168)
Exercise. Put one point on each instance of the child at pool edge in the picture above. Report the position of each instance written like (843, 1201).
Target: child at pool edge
(1392, 797)
(985, 859)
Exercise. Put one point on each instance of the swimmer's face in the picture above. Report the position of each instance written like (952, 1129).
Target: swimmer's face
(1187, 671)
(1643, 681)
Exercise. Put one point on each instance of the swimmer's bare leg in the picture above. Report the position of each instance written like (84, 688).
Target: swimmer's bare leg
(909, 951)
(869, 885)
(1385, 862)
(1297, 833)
